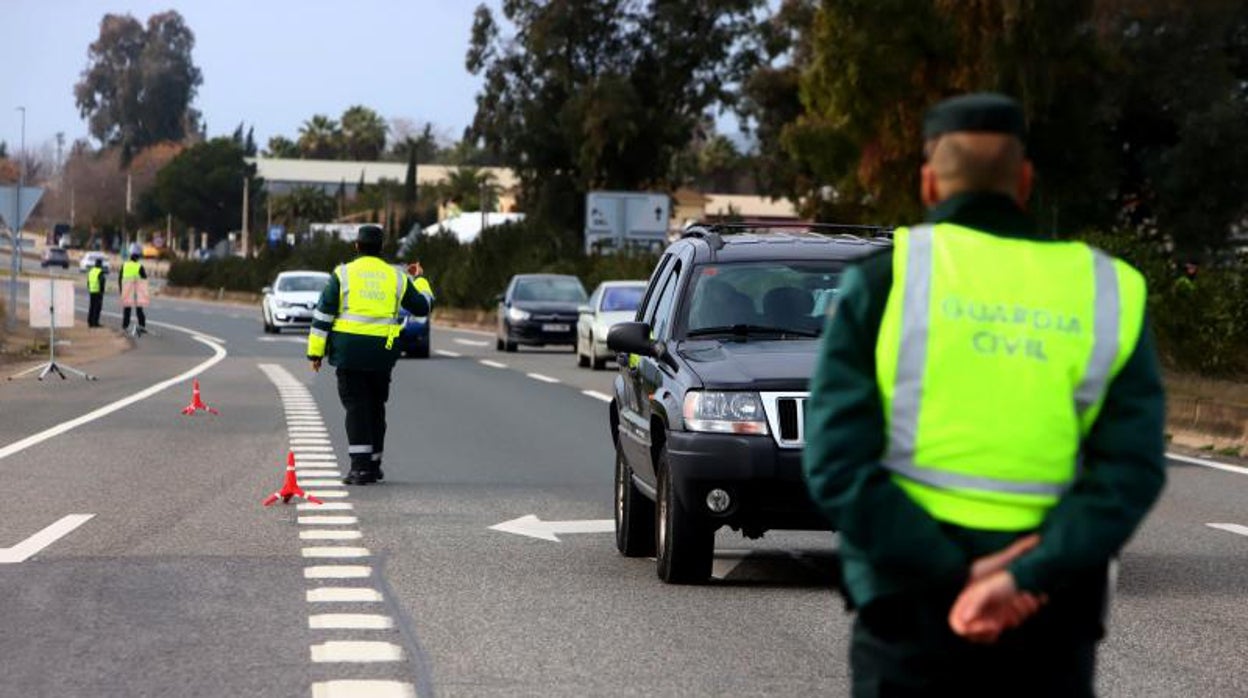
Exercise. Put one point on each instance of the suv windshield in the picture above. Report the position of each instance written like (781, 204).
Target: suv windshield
(302, 283)
(553, 289)
(762, 298)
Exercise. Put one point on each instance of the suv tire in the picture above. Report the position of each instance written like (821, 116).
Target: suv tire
(634, 514)
(685, 546)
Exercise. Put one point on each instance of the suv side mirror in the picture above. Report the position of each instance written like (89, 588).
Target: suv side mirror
(631, 338)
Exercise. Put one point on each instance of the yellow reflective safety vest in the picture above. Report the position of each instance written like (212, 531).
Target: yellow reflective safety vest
(130, 270)
(369, 294)
(993, 359)
(93, 280)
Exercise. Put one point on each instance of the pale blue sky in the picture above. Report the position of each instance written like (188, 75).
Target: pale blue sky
(271, 63)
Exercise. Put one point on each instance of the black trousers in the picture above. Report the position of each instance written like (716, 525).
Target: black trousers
(364, 395)
(93, 310)
(902, 646)
(125, 317)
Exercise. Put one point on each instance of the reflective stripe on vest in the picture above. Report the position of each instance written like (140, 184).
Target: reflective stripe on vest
(369, 293)
(992, 373)
(130, 270)
(93, 280)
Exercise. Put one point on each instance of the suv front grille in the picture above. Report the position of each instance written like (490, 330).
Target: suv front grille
(786, 417)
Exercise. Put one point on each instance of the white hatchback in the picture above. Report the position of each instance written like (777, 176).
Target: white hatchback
(289, 302)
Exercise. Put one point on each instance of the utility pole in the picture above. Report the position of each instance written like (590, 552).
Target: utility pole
(15, 261)
(246, 215)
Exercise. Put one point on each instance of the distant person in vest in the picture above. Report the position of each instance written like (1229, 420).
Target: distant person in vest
(132, 295)
(95, 292)
(985, 431)
(355, 324)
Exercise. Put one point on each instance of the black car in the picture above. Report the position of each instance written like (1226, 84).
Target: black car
(539, 309)
(708, 410)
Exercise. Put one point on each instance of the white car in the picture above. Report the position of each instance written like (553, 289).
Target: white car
(612, 302)
(289, 302)
(88, 261)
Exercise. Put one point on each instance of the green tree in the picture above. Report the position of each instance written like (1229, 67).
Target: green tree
(140, 82)
(363, 134)
(203, 186)
(600, 93)
(303, 205)
(320, 138)
(468, 187)
(282, 147)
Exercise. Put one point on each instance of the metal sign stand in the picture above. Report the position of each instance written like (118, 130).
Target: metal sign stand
(51, 366)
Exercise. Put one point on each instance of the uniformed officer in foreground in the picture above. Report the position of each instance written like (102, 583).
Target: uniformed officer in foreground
(356, 323)
(95, 292)
(985, 431)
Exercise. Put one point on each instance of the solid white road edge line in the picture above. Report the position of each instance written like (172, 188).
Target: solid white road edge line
(1208, 463)
(218, 354)
(1230, 528)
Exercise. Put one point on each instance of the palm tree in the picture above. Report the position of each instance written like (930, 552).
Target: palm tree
(363, 132)
(467, 186)
(320, 138)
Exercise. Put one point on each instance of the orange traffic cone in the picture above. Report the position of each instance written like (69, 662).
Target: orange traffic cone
(290, 488)
(197, 403)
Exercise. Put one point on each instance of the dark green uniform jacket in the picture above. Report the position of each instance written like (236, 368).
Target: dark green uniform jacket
(888, 544)
(360, 352)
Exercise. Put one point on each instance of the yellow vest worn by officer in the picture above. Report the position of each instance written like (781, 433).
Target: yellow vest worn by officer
(993, 359)
(369, 293)
(93, 280)
(130, 270)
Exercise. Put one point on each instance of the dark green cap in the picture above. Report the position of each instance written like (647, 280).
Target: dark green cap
(984, 112)
(370, 235)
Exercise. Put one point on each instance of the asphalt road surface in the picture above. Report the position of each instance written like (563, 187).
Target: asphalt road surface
(180, 583)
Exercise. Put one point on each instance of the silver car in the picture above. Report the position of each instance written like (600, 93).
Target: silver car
(611, 302)
(289, 302)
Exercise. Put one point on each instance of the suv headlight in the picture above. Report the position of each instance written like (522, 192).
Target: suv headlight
(724, 412)
(517, 315)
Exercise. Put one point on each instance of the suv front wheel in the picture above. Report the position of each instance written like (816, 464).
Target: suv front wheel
(634, 514)
(685, 546)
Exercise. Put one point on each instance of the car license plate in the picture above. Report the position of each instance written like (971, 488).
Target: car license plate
(555, 328)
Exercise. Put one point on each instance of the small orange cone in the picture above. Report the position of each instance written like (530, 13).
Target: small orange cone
(290, 488)
(197, 403)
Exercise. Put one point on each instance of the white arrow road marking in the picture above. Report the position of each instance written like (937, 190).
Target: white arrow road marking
(534, 527)
(1230, 528)
(24, 550)
(356, 689)
(472, 342)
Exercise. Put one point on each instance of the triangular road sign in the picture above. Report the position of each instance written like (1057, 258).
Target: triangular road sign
(8, 197)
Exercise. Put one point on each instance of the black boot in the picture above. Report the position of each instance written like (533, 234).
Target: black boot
(362, 473)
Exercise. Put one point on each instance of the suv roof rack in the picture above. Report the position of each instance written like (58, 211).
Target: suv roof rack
(713, 232)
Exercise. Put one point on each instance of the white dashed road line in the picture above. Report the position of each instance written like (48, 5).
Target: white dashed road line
(596, 395)
(448, 354)
(492, 364)
(542, 378)
(317, 466)
(472, 342)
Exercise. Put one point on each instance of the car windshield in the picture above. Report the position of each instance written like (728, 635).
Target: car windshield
(551, 289)
(621, 298)
(785, 299)
(302, 283)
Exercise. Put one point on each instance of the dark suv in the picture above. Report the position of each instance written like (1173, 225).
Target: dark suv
(708, 409)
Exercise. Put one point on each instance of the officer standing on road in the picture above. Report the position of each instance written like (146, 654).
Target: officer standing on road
(356, 323)
(95, 292)
(985, 431)
(131, 271)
